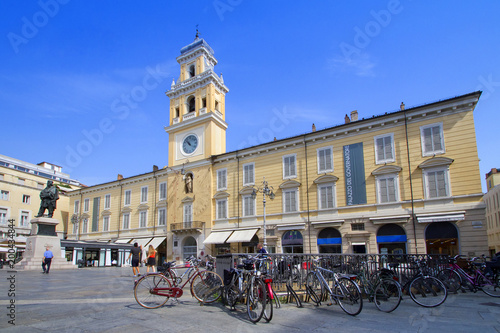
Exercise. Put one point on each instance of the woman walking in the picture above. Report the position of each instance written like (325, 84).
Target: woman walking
(151, 261)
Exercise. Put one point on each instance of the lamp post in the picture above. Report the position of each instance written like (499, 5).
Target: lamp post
(266, 190)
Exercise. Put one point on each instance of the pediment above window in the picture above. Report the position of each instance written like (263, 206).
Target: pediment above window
(386, 169)
(290, 184)
(436, 161)
(126, 210)
(325, 179)
(246, 190)
(143, 207)
(187, 199)
(161, 203)
(106, 213)
(85, 216)
(221, 195)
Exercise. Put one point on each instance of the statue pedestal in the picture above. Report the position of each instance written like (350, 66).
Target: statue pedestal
(43, 235)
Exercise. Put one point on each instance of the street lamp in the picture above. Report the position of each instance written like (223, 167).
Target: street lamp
(265, 189)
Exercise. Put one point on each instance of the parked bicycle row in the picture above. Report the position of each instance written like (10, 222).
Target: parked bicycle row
(257, 281)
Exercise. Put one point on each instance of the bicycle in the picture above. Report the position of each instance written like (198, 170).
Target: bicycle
(344, 290)
(154, 290)
(475, 279)
(425, 290)
(381, 288)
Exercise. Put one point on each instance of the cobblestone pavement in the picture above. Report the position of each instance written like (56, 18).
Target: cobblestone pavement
(101, 300)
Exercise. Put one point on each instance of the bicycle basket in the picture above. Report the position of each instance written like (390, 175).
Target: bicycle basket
(228, 276)
(248, 264)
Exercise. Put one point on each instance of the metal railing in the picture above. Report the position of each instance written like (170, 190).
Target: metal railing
(179, 226)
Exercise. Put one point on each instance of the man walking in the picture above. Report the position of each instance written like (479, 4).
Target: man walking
(135, 253)
(47, 260)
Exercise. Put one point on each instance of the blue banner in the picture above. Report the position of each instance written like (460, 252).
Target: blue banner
(329, 241)
(391, 239)
(354, 171)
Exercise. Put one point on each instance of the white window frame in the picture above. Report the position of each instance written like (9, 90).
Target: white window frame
(221, 212)
(143, 219)
(24, 216)
(5, 195)
(105, 223)
(162, 195)
(248, 211)
(249, 174)
(107, 201)
(385, 159)
(322, 187)
(433, 151)
(127, 198)
(427, 173)
(126, 221)
(86, 205)
(187, 212)
(222, 179)
(76, 208)
(26, 199)
(162, 221)
(286, 196)
(4, 215)
(326, 169)
(144, 194)
(379, 179)
(85, 225)
(287, 172)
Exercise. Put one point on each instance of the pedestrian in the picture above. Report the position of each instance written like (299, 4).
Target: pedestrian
(135, 253)
(151, 261)
(47, 260)
(261, 249)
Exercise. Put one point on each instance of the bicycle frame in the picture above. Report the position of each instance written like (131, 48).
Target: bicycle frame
(472, 279)
(176, 290)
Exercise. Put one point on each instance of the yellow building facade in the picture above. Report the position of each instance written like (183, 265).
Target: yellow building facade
(492, 201)
(403, 182)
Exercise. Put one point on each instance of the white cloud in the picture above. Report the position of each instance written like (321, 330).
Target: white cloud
(360, 64)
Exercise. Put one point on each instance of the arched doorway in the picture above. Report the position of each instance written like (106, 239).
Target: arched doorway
(441, 238)
(292, 242)
(329, 241)
(190, 247)
(391, 239)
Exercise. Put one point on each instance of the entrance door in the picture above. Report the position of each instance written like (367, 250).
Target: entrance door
(441, 238)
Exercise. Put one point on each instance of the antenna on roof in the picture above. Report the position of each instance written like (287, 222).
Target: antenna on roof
(197, 33)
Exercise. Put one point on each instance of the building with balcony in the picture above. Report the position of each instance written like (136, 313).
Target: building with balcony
(492, 201)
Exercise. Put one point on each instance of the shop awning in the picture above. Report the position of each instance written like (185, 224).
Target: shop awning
(239, 236)
(141, 241)
(156, 241)
(217, 237)
(123, 240)
(441, 218)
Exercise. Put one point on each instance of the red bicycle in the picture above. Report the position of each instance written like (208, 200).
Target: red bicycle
(154, 290)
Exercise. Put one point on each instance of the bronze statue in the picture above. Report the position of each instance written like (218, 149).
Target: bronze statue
(49, 197)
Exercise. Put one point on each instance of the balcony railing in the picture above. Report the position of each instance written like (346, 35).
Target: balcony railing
(186, 226)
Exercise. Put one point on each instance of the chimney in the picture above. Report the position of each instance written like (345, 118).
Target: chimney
(402, 106)
(155, 168)
(275, 139)
(354, 115)
(347, 120)
(120, 177)
(314, 128)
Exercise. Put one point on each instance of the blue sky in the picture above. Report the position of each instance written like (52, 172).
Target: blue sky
(68, 67)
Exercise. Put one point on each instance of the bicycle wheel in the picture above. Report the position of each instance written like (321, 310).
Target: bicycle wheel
(490, 286)
(314, 288)
(172, 276)
(146, 290)
(387, 295)
(268, 309)
(256, 300)
(231, 295)
(349, 297)
(428, 291)
(451, 279)
(207, 287)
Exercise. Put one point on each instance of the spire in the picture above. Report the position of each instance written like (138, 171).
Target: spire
(173, 83)
(197, 33)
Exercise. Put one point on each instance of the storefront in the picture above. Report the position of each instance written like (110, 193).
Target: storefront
(96, 253)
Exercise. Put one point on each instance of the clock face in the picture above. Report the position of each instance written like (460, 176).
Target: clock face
(189, 144)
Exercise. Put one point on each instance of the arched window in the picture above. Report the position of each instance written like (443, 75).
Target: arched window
(441, 238)
(329, 241)
(391, 239)
(190, 248)
(292, 242)
(191, 104)
(192, 71)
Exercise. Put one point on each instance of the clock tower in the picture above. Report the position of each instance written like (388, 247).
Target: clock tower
(197, 127)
